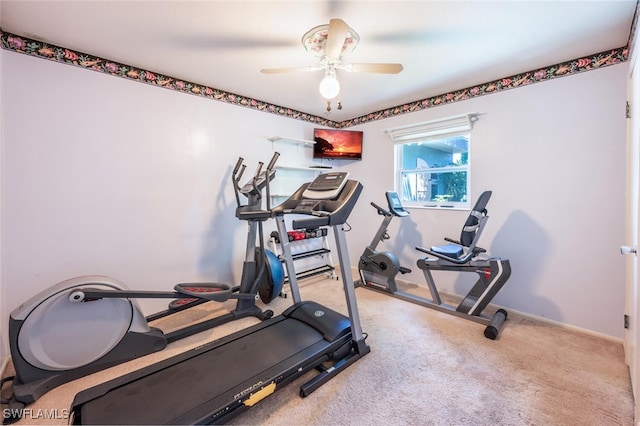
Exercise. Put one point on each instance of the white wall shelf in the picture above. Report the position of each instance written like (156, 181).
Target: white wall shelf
(274, 139)
(288, 180)
(290, 177)
(308, 169)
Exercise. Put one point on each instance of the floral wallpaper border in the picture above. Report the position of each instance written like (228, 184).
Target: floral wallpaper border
(63, 55)
(587, 63)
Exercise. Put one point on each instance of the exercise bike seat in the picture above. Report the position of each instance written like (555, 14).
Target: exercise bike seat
(453, 251)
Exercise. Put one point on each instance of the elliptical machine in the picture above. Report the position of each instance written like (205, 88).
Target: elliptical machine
(378, 270)
(86, 324)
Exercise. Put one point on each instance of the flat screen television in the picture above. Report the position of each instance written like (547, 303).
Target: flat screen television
(337, 144)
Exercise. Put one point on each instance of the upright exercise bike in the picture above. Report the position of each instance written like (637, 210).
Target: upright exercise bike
(379, 269)
(90, 323)
(464, 255)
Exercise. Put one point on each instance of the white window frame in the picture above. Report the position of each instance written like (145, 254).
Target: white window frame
(459, 125)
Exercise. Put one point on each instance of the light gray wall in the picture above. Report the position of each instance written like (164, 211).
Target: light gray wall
(113, 177)
(106, 176)
(554, 155)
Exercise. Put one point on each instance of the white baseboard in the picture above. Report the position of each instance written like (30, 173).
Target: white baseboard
(522, 314)
(562, 325)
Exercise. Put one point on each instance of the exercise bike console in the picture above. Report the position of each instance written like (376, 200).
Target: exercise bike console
(395, 205)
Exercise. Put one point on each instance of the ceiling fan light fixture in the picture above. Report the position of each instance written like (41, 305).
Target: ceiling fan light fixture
(329, 86)
(315, 40)
(329, 43)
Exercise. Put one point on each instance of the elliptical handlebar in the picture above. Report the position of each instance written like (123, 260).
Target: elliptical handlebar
(216, 292)
(272, 163)
(256, 177)
(237, 167)
(255, 185)
(270, 167)
(236, 175)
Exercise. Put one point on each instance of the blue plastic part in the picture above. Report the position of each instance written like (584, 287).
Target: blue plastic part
(277, 273)
(453, 251)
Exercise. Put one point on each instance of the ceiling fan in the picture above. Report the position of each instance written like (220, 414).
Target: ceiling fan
(330, 42)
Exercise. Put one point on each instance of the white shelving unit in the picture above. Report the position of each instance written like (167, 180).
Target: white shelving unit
(289, 178)
(312, 255)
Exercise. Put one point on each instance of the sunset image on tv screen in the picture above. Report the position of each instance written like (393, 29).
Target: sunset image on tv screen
(337, 144)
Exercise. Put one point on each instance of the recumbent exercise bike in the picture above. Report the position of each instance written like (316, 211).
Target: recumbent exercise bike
(378, 270)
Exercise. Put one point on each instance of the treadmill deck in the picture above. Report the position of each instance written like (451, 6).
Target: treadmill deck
(196, 389)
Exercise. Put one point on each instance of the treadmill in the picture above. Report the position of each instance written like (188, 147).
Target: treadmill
(214, 382)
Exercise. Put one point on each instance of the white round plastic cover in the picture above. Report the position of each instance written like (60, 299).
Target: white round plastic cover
(61, 335)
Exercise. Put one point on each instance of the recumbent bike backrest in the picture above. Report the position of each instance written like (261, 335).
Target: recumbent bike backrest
(470, 227)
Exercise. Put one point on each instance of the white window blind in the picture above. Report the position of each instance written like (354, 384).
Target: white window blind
(434, 129)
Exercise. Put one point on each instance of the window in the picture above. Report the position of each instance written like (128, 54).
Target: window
(432, 162)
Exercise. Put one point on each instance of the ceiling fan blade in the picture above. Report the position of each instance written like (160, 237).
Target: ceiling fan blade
(287, 70)
(374, 68)
(338, 31)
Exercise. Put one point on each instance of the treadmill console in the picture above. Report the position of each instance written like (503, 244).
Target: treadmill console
(326, 201)
(326, 186)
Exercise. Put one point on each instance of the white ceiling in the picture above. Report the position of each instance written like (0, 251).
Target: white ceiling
(443, 45)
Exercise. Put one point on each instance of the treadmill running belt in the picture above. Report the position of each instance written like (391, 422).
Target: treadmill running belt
(200, 386)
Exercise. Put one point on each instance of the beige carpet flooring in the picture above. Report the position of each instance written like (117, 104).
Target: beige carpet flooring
(426, 368)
